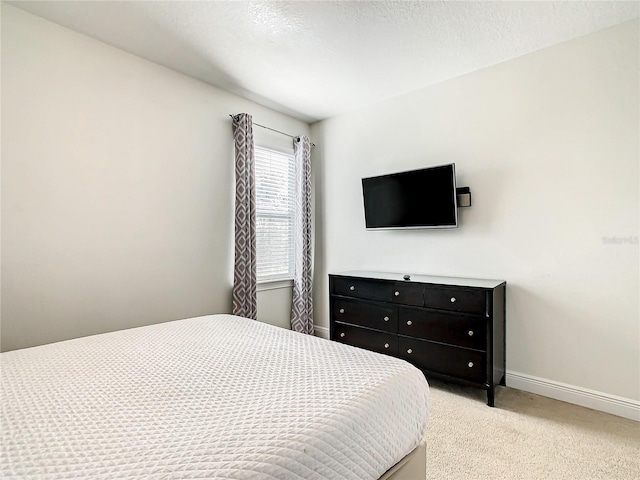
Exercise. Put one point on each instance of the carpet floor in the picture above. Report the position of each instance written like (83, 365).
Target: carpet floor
(525, 437)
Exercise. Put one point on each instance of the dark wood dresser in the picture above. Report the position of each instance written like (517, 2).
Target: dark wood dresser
(451, 328)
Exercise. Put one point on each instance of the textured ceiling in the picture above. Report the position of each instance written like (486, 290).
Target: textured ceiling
(313, 60)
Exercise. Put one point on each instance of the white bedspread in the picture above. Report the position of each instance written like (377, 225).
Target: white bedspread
(216, 397)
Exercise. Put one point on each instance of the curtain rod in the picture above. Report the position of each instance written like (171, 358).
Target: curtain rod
(274, 130)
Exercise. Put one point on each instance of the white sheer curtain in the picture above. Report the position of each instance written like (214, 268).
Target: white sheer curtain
(302, 304)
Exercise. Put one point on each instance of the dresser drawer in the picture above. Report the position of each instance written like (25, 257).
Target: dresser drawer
(364, 338)
(444, 359)
(362, 288)
(470, 332)
(407, 293)
(379, 316)
(397, 292)
(455, 299)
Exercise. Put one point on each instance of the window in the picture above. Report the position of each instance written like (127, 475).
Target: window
(275, 214)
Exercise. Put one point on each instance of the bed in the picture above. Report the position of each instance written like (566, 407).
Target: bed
(216, 397)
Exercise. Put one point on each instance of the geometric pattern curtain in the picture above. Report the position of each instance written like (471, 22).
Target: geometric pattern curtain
(302, 302)
(245, 294)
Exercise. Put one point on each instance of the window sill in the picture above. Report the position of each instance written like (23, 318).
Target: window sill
(274, 284)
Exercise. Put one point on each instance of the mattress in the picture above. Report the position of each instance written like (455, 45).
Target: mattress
(216, 397)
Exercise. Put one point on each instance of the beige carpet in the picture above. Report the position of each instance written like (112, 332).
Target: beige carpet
(526, 436)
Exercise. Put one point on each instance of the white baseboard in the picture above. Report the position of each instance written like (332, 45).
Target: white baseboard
(604, 402)
(321, 331)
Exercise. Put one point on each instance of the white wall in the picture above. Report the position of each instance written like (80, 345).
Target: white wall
(117, 188)
(548, 144)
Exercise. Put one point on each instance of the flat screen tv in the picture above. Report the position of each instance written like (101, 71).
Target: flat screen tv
(424, 198)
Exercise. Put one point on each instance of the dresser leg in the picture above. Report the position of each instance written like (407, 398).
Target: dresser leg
(491, 396)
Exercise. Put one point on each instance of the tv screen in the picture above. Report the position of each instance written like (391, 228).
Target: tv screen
(424, 198)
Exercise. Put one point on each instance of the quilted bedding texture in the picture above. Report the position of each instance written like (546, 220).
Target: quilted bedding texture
(216, 397)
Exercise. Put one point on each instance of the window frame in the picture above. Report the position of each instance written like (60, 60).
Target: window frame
(276, 280)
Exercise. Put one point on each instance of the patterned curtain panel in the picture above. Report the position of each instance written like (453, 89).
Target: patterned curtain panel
(302, 305)
(245, 294)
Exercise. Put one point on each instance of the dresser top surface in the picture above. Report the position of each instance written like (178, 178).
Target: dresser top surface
(454, 281)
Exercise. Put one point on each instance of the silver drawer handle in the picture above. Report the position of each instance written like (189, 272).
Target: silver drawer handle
(342, 335)
(342, 310)
(453, 299)
(409, 323)
(470, 364)
(470, 333)
(409, 351)
(396, 293)
(352, 288)
(386, 345)
(386, 319)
